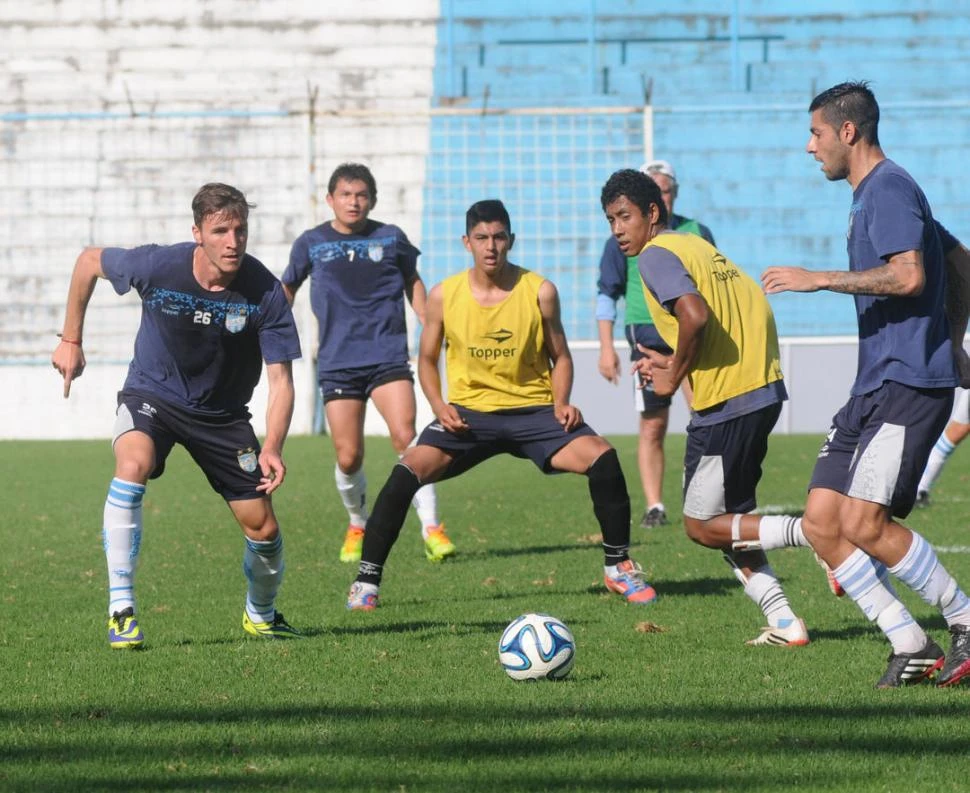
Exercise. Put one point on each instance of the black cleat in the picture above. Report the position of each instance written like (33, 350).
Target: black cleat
(909, 668)
(652, 518)
(957, 665)
(922, 498)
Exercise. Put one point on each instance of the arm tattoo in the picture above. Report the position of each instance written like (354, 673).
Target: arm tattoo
(877, 281)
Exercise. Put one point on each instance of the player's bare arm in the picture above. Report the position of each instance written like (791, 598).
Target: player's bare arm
(279, 413)
(429, 352)
(668, 372)
(901, 276)
(609, 362)
(561, 377)
(417, 296)
(68, 357)
(958, 307)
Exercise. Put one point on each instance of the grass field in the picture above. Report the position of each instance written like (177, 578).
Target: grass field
(411, 697)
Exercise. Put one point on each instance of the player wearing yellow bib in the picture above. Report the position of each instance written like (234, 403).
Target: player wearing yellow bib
(722, 332)
(510, 374)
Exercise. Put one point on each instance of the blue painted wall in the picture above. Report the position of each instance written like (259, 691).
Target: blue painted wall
(730, 97)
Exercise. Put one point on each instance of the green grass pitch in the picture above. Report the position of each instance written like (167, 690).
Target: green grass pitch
(411, 697)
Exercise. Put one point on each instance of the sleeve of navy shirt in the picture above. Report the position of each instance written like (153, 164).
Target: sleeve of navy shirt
(128, 267)
(612, 280)
(299, 267)
(895, 218)
(278, 337)
(407, 256)
(665, 276)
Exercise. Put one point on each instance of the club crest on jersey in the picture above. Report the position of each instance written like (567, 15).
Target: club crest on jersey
(375, 252)
(247, 459)
(236, 318)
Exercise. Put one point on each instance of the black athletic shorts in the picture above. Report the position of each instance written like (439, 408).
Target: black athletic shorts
(226, 449)
(879, 444)
(358, 382)
(532, 433)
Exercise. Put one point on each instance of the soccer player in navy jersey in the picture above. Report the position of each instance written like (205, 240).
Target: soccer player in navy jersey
(868, 469)
(211, 315)
(360, 271)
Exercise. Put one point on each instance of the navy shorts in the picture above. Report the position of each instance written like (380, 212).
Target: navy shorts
(225, 449)
(358, 382)
(644, 397)
(532, 433)
(879, 444)
(722, 463)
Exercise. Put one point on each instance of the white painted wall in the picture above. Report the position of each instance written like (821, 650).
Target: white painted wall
(92, 165)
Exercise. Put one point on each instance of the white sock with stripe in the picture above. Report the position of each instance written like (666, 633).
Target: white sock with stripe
(938, 456)
(353, 493)
(921, 570)
(866, 581)
(121, 535)
(263, 566)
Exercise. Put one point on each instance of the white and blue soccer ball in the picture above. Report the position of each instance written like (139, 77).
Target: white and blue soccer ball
(536, 647)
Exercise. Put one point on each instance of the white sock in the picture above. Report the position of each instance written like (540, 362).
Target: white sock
(659, 505)
(866, 581)
(353, 493)
(763, 588)
(425, 503)
(921, 570)
(781, 531)
(121, 533)
(263, 566)
(938, 456)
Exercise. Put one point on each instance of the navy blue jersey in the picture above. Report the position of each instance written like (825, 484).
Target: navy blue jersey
(202, 351)
(357, 292)
(902, 339)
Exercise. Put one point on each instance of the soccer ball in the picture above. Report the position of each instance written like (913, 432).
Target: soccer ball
(536, 646)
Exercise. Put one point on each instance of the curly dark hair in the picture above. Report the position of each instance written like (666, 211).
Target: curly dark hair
(639, 189)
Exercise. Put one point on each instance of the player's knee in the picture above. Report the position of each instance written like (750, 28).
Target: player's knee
(401, 438)
(349, 460)
(401, 485)
(700, 532)
(606, 476)
(262, 527)
(653, 430)
(133, 469)
(862, 523)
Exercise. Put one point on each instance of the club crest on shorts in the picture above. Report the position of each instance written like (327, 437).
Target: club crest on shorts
(247, 459)
(375, 251)
(236, 318)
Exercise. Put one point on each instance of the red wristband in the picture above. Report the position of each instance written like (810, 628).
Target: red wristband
(70, 341)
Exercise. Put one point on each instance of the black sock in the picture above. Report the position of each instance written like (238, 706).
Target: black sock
(384, 524)
(611, 504)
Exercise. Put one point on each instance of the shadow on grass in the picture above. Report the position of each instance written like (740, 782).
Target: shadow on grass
(522, 748)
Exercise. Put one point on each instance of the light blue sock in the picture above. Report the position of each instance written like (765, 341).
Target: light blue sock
(921, 570)
(121, 535)
(866, 581)
(263, 566)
